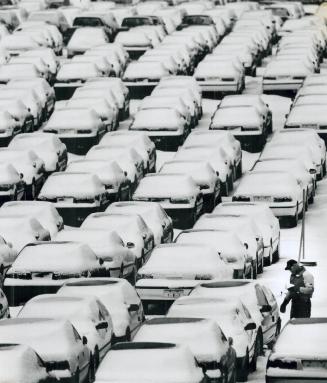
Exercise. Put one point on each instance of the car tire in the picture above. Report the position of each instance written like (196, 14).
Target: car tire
(75, 378)
(255, 270)
(230, 184)
(243, 369)
(261, 266)
(276, 253)
(91, 371)
(239, 170)
(127, 335)
(311, 198)
(293, 219)
(268, 260)
(132, 277)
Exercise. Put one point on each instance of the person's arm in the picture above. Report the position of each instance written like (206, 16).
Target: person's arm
(308, 284)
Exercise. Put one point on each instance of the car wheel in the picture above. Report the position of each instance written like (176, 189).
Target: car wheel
(253, 364)
(32, 190)
(132, 277)
(128, 335)
(293, 219)
(243, 368)
(268, 260)
(92, 369)
(311, 198)
(255, 270)
(75, 378)
(239, 170)
(231, 185)
(261, 266)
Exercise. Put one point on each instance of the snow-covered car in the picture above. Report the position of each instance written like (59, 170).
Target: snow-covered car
(268, 223)
(75, 195)
(132, 229)
(218, 77)
(20, 113)
(52, 17)
(118, 260)
(101, 62)
(178, 194)
(44, 91)
(118, 296)
(164, 126)
(128, 158)
(9, 127)
(290, 361)
(17, 43)
(246, 229)
(18, 71)
(28, 165)
(284, 75)
(87, 314)
(117, 66)
(218, 138)
(20, 363)
(114, 179)
(135, 43)
(43, 267)
(216, 157)
(72, 75)
(40, 65)
(29, 98)
(234, 319)
(257, 297)
(86, 38)
(245, 123)
(46, 145)
(309, 137)
(278, 190)
(212, 353)
(67, 358)
(115, 48)
(178, 359)
(79, 129)
(139, 141)
(12, 187)
(250, 100)
(204, 176)
(297, 169)
(44, 212)
(153, 215)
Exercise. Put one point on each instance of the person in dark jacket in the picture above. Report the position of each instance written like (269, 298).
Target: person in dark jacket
(300, 292)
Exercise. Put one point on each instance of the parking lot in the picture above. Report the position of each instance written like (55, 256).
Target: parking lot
(160, 164)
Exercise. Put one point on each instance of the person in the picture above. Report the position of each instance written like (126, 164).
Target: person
(300, 292)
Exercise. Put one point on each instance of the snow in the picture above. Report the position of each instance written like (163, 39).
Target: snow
(166, 186)
(55, 257)
(87, 37)
(8, 174)
(147, 70)
(77, 185)
(77, 70)
(306, 114)
(73, 119)
(216, 69)
(132, 38)
(182, 367)
(157, 119)
(286, 68)
(202, 336)
(240, 116)
(38, 141)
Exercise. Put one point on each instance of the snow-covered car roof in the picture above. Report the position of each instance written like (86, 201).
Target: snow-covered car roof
(20, 364)
(87, 37)
(19, 42)
(209, 138)
(216, 69)
(157, 119)
(313, 89)
(127, 137)
(73, 118)
(55, 257)
(148, 70)
(202, 336)
(77, 70)
(306, 115)
(15, 71)
(242, 100)
(165, 186)
(39, 140)
(179, 359)
(311, 99)
(77, 185)
(200, 171)
(132, 38)
(236, 115)
(286, 68)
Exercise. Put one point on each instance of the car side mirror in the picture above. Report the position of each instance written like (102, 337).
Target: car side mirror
(246, 245)
(265, 309)
(130, 245)
(125, 173)
(102, 326)
(101, 261)
(230, 341)
(10, 245)
(250, 326)
(21, 176)
(217, 173)
(1, 307)
(133, 307)
(84, 340)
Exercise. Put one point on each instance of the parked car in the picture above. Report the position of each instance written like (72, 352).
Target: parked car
(118, 260)
(119, 298)
(138, 354)
(20, 113)
(235, 321)
(86, 38)
(75, 195)
(68, 356)
(257, 297)
(12, 187)
(153, 215)
(78, 129)
(20, 363)
(87, 314)
(288, 361)
(43, 267)
(177, 194)
(215, 358)
(47, 146)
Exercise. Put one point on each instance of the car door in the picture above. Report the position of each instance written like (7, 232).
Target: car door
(245, 318)
(82, 354)
(266, 314)
(104, 328)
(273, 314)
(134, 307)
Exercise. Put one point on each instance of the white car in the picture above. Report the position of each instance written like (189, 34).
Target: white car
(78, 129)
(135, 43)
(164, 126)
(235, 321)
(265, 219)
(144, 74)
(20, 113)
(18, 71)
(257, 297)
(68, 357)
(178, 194)
(278, 190)
(118, 296)
(118, 260)
(87, 314)
(49, 57)
(177, 358)
(46, 145)
(43, 267)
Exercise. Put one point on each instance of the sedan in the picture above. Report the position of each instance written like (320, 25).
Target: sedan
(12, 186)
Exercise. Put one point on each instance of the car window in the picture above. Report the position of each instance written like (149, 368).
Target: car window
(261, 298)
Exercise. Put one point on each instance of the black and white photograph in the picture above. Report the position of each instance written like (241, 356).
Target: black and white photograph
(163, 191)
